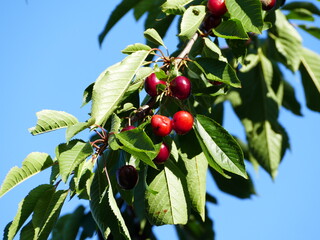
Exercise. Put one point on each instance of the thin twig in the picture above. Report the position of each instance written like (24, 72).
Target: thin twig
(187, 49)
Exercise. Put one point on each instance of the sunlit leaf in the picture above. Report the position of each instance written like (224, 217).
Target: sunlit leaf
(191, 20)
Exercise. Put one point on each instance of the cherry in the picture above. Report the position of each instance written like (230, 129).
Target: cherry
(127, 128)
(161, 125)
(163, 154)
(127, 177)
(217, 7)
(180, 87)
(182, 122)
(210, 22)
(151, 83)
(268, 4)
(216, 83)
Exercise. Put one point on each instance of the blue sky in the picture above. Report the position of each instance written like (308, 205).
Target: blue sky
(50, 54)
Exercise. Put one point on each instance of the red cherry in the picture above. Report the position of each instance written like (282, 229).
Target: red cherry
(128, 128)
(268, 4)
(180, 87)
(210, 22)
(217, 7)
(163, 154)
(151, 83)
(182, 122)
(216, 83)
(161, 125)
(127, 177)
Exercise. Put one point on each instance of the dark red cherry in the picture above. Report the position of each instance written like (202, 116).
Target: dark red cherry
(163, 154)
(151, 83)
(268, 4)
(217, 7)
(180, 87)
(210, 22)
(127, 177)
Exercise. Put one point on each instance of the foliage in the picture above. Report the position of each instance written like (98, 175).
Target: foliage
(240, 61)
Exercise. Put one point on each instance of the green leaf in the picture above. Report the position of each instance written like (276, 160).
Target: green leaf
(215, 70)
(77, 128)
(287, 42)
(236, 185)
(211, 50)
(104, 208)
(302, 5)
(135, 47)
(121, 10)
(27, 232)
(111, 86)
(71, 155)
(73, 223)
(310, 74)
(87, 95)
(248, 13)
(300, 14)
(138, 143)
(289, 99)
(25, 208)
(174, 6)
(82, 179)
(47, 211)
(167, 203)
(34, 163)
(196, 181)
(224, 149)
(153, 36)
(115, 126)
(191, 20)
(50, 120)
(142, 7)
(231, 29)
(314, 31)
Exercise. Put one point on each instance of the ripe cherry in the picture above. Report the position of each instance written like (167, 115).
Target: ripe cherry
(210, 22)
(127, 177)
(180, 87)
(217, 7)
(151, 83)
(127, 128)
(182, 122)
(163, 154)
(216, 83)
(268, 4)
(161, 125)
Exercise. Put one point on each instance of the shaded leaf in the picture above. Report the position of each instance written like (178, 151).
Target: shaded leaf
(302, 5)
(290, 101)
(77, 128)
(314, 31)
(87, 95)
(231, 29)
(174, 6)
(153, 36)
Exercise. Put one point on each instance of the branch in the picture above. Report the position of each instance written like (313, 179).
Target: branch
(187, 49)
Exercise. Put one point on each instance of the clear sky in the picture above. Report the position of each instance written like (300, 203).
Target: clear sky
(49, 54)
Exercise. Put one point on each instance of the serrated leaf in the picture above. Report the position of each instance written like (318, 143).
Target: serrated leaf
(71, 155)
(196, 181)
(211, 50)
(77, 128)
(115, 126)
(25, 208)
(138, 143)
(167, 203)
(248, 13)
(47, 211)
(287, 42)
(174, 6)
(191, 20)
(120, 10)
(50, 120)
(110, 87)
(104, 207)
(27, 232)
(221, 145)
(231, 29)
(215, 70)
(310, 74)
(153, 36)
(135, 47)
(83, 176)
(34, 163)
